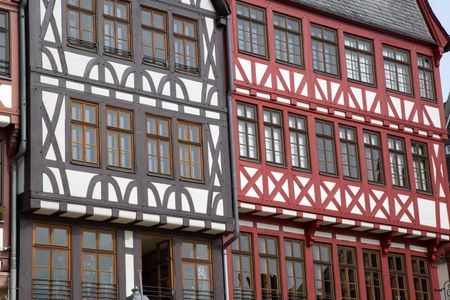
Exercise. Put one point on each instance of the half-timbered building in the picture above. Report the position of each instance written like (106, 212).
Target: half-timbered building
(342, 181)
(126, 178)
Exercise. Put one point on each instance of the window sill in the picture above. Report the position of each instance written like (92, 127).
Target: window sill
(286, 63)
(85, 164)
(254, 55)
(158, 175)
(335, 76)
(120, 169)
(400, 93)
(199, 181)
(366, 84)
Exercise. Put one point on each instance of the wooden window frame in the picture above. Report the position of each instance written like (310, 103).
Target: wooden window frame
(184, 68)
(51, 248)
(153, 60)
(5, 66)
(286, 32)
(128, 54)
(240, 292)
(292, 259)
(347, 142)
(158, 138)
(397, 152)
(246, 121)
(189, 145)
(371, 269)
(197, 261)
(424, 69)
(322, 263)
(85, 124)
(371, 147)
(421, 158)
(304, 132)
(395, 274)
(272, 126)
(270, 293)
(360, 52)
(324, 42)
(345, 267)
(80, 43)
(398, 62)
(421, 278)
(97, 252)
(332, 139)
(121, 131)
(251, 21)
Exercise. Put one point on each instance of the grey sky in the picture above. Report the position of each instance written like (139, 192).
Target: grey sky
(441, 9)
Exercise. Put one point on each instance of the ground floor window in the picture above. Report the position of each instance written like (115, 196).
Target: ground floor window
(196, 270)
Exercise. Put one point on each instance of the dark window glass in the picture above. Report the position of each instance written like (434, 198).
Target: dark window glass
(397, 274)
(190, 140)
(154, 37)
(273, 136)
(186, 45)
(374, 157)
(84, 128)
(243, 272)
(248, 131)
(326, 147)
(324, 50)
(4, 44)
(397, 69)
(81, 20)
(421, 166)
(348, 272)
(323, 271)
(269, 267)
(372, 275)
(288, 39)
(196, 266)
(359, 59)
(119, 132)
(298, 139)
(251, 22)
(422, 278)
(159, 145)
(117, 28)
(349, 152)
(397, 159)
(295, 269)
(426, 77)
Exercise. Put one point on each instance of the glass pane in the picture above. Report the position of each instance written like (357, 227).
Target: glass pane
(42, 235)
(60, 260)
(188, 250)
(42, 257)
(202, 251)
(60, 237)
(105, 241)
(89, 240)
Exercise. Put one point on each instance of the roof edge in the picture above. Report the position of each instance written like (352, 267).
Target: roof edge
(221, 7)
(434, 25)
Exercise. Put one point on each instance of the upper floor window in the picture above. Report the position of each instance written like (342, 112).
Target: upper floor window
(251, 22)
(154, 37)
(397, 274)
(295, 269)
(196, 270)
(326, 147)
(323, 271)
(324, 50)
(372, 275)
(4, 44)
(349, 152)
(243, 267)
(397, 159)
(421, 277)
(273, 136)
(81, 29)
(348, 271)
(159, 145)
(374, 157)
(269, 267)
(288, 39)
(98, 265)
(359, 59)
(117, 28)
(397, 69)
(120, 138)
(426, 77)
(298, 138)
(51, 262)
(421, 166)
(84, 128)
(190, 150)
(248, 131)
(186, 45)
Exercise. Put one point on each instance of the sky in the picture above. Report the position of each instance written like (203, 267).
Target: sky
(441, 9)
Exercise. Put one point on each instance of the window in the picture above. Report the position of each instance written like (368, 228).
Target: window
(81, 29)
(196, 268)
(397, 69)
(374, 157)
(116, 19)
(397, 159)
(359, 59)
(397, 274)
(4, 44)
(426, 77)
(251, 22)
(186, 48)
(154, 37)
(421, 166)
(243, 267)
(273, 136)
(349, 152)
(348, 272)
(51, 262)
(324, 50)
(84, 127)
(323, 272)
(191, 150)
(372, 275)
(421, 277)
(288, 39)
(298, 138)
(268, 267)
(98, 265)
(326, 147)
(248, 131)
(295, 269)
(159, 145)
(120, 138)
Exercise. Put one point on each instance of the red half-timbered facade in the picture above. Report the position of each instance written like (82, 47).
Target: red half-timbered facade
(340, 130)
